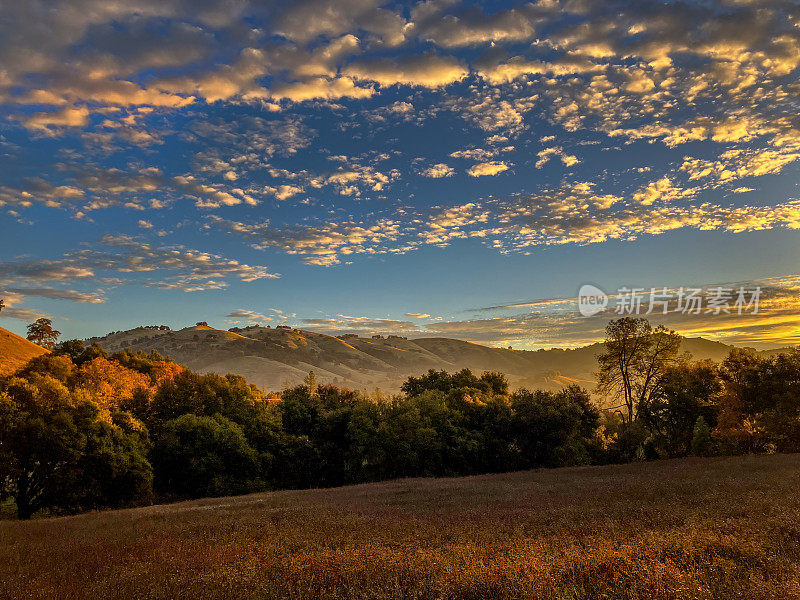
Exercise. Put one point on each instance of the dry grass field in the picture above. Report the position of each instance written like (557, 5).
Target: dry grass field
(696, 528)
(15, 351)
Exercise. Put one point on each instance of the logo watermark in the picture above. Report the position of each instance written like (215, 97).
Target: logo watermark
(591, 300)
(685, 300)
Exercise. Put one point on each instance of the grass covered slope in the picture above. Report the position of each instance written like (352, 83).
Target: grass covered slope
(689, 528)
(15, 351)
(270, 356)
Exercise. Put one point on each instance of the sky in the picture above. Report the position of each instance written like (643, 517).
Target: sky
(435, 168)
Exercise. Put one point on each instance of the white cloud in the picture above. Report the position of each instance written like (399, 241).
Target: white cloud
(425, 70)
(55, 294)
(248, 316)
(325, 244)
(121, 256)
(363, 325)
(319, 88)
(472, 26)
(662, 190)
(66, 117)
(437, 171)
(487, 168)
(545, 155)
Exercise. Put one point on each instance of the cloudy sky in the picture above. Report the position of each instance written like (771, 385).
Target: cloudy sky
(426, 168)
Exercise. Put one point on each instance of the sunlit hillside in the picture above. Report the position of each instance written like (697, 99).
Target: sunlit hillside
(15, 351)
(271, 356)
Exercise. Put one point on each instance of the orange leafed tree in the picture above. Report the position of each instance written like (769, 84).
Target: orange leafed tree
(165, 371)
(109, 383)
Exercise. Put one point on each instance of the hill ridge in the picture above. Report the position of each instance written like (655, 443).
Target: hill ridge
(271, 356)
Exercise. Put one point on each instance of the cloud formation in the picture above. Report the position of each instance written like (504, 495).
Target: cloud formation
(248, 316)
(123, 260)
(425, 70)
(343, 131)
(487, 168)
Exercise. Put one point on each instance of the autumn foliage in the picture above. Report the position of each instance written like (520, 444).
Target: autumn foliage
(80, 429)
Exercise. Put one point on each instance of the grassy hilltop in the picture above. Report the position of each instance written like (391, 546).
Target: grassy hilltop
(270, 356)
(689, 528)
(16, 351)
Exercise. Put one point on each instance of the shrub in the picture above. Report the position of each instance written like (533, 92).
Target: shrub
(701, 438)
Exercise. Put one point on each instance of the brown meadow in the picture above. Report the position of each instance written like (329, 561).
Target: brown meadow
(688, 528)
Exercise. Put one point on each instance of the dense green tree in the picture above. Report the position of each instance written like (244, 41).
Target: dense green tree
(72, 348)
(92, 352)
(760, 406)
(685, 392)
(494, 419)
(554, 429)
(632, 441)
(264, 433)
(497, 382)
(315, 420)
(445, 382)
(460, 424)
(189, 392)
(301, 411)
(58, 452)
(392, 439)
(143, 362)
(197, 456)
(57, 366)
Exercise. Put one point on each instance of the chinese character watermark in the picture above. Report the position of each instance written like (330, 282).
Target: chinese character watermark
(717, 300)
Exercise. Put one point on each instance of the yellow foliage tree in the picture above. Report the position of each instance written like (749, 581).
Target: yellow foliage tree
(109, 383)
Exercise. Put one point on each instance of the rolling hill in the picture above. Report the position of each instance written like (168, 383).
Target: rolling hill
(15, 351)
(270, 357)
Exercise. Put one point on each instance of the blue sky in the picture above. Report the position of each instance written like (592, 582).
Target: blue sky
(357, 165)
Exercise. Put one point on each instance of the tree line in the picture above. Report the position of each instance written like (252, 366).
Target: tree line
(663, 404)
(81, 429)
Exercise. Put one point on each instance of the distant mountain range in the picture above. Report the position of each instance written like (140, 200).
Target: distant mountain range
(271, 357)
